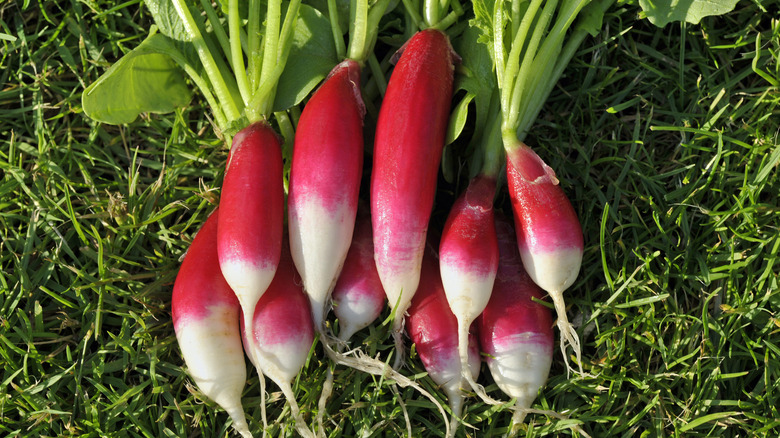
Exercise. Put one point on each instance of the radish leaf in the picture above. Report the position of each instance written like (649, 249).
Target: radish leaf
(662, 12)
(312, 56)
(147, 79)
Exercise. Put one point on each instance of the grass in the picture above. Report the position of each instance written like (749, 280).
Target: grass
(666, 140)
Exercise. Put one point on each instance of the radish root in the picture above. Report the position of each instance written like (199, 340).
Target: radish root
(568, 334)
(376, 367)
(465, 369)
(327, 390)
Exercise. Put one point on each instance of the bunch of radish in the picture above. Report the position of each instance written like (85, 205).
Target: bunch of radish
(260, 284)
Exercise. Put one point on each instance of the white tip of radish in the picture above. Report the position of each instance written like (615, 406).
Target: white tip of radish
(552, 270)
(467, 294)
(247, 280)
(521, 368)
(356, 312)
(220, 377)
(319, 240)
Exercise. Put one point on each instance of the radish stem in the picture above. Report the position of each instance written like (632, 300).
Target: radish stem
(236, 53)
(209, 64)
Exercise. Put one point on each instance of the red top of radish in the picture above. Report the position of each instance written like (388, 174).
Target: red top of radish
(199, 283)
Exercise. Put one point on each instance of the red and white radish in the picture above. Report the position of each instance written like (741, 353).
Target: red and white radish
(205, 318)
(468, 260)
(515, 331)
(251, 214)
(358, 298)
(434, 330)
(409, 139)
(282, 333)
(549, 235)
(325, 177)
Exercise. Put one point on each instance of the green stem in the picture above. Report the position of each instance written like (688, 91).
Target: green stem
(492, 143)
(271, 41)
(447, 21)
(499, 55)
(219, 31)
(432, 12)
(529, 58)
(509, 71)
(338, 35)
(562, 59)
(414, 16)
(377, 73)
(542, 74)
(236, 53)
(285, 126)
(221, 89)
(203, 86)
(262, 102)
(254, 48)
(358, 29)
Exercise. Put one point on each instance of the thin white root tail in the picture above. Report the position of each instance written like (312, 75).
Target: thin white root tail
(403, 409)
(519, 414)
(465, 369)
(251, 347)
(376, 367)
(398, 337)
(456, 406)
(300, 424)
(568, 334)
(239, 420)
(327, 390)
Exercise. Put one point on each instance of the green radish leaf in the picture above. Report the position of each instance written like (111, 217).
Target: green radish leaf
(312, 56)
(167, 19)
(591, 18)
(458, 118)
(147, 79)
(662, 12)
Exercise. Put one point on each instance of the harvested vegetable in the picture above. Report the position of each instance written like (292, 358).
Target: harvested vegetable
(205, 316)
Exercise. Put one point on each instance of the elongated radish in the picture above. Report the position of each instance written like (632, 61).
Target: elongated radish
(409, 139)
(251, 214)
(325, 183)
(549, 235)
(434, 330)
(283, 333)
(358, 297)
(468, 255)
(516, 332)
(205, 318)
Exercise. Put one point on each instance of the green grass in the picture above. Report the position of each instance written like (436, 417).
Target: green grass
(666, 140)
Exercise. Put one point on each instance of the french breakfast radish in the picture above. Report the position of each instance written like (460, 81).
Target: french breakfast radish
(549, 235)
(515, 331)
(282, 333)
(408, 145)
(358, 298)
(325, 178)
(468, 260)
(434, 330)
(249, 235)
(205, 318)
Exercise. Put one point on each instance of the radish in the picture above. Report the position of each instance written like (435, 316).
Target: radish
(468, 255)
(409, 139)
(283, 333)
(205, 318)
(549, 234)
(530, 52)
(249, 235)
(434, 330)
(358, 297)
(325, 177)
(516, 332)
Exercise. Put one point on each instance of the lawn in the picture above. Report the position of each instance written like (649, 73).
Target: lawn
(666, 140)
